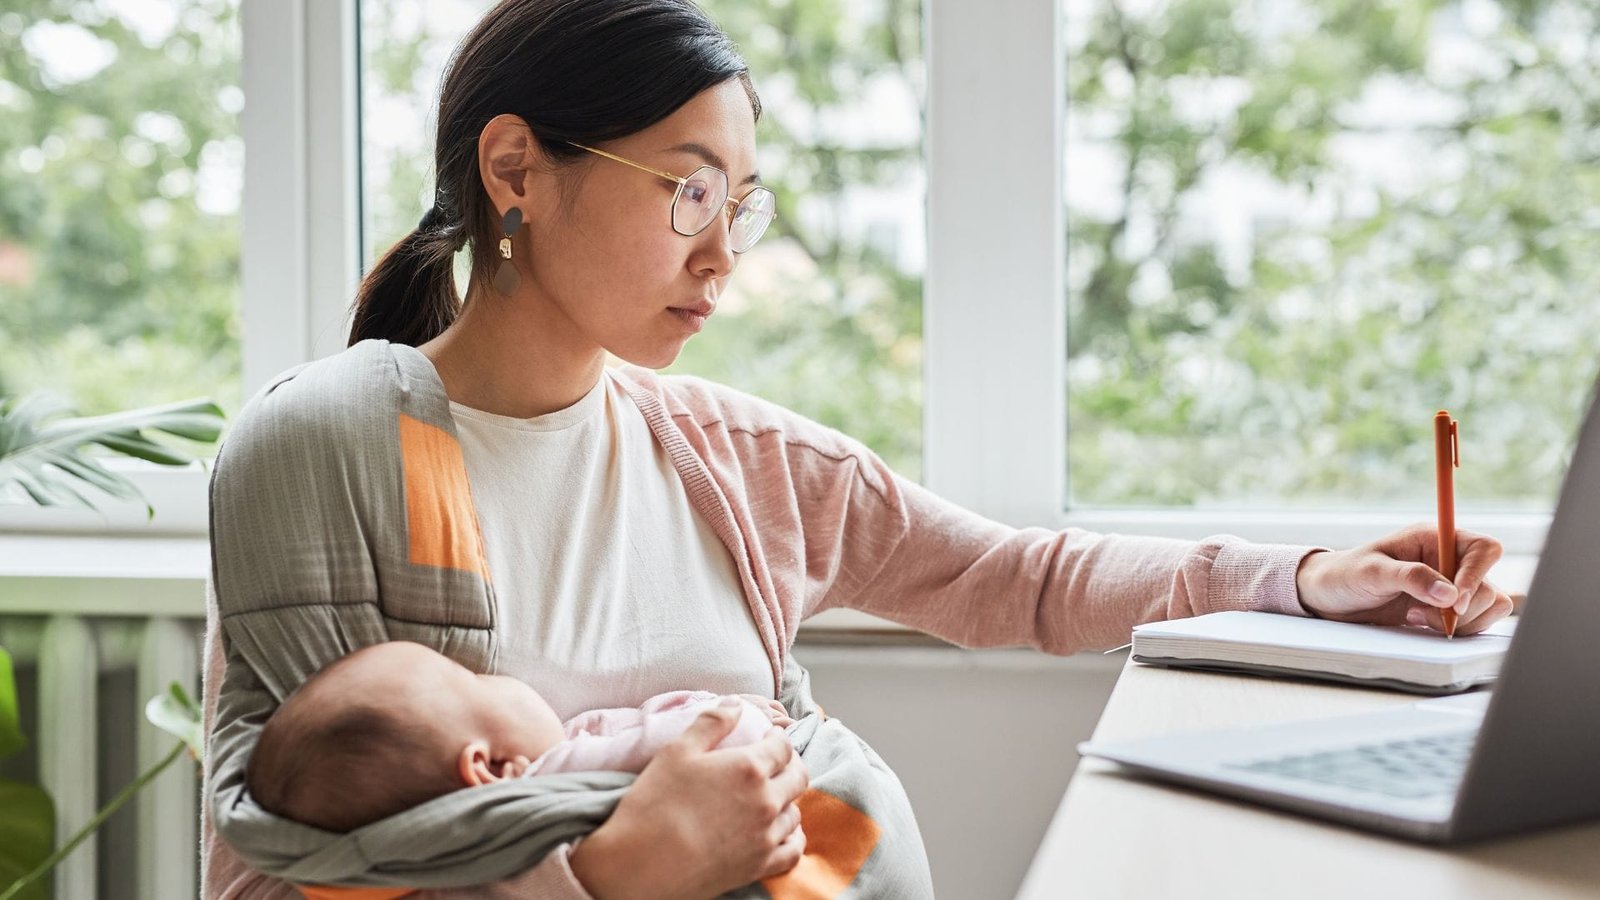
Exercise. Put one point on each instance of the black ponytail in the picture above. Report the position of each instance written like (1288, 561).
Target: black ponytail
(586, 71)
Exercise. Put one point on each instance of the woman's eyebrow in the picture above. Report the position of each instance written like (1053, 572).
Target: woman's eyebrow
(711, 156)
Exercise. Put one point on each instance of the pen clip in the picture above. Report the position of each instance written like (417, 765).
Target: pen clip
(1455, 444)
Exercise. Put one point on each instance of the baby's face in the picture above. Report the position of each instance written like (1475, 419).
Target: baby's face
(498, 709)
(518, 720)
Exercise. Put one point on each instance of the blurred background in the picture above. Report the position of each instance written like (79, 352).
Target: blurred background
(1291, 225)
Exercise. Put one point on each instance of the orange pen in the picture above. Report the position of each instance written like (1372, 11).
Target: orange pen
(1446, 458)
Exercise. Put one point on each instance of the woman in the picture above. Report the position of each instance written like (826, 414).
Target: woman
(636, 533)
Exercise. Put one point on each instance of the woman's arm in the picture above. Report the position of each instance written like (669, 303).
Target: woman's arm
(224, 876)
(834, 526)
(699, 820)
(910, 556)
(698, 824)
(306, 500)
(278, 539)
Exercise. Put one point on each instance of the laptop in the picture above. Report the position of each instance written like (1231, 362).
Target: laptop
(1525, 755)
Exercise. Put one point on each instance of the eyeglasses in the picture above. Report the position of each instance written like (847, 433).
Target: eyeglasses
(701, 197)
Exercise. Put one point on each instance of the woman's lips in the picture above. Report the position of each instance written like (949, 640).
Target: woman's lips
(701, 307)
(693, 320)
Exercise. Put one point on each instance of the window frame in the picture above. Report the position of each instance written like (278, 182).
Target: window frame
(299, 238)
(994, 318)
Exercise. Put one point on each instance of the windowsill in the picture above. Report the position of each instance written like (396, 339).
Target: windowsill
(178, 494)
(120, 575)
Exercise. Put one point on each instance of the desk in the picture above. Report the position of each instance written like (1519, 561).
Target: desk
(1115, 837)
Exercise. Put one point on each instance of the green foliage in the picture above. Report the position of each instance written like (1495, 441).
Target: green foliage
(11, 739)
(27, 829)
(36, 452)
(119, 237)
(176, 714)
(27, 818)
(822, 321)
(1306, 369)
(1294, 363)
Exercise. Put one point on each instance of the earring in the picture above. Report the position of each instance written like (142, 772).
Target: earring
(506, 278)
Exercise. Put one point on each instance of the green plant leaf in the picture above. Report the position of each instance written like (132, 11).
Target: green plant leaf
(11, 738)
(40, 450)
(87, 469)
(179, 716)
(130, 444)
(27, 829)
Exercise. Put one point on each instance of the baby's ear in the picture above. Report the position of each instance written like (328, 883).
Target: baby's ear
(475, 765)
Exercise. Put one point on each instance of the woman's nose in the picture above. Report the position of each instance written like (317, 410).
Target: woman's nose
(714, 255)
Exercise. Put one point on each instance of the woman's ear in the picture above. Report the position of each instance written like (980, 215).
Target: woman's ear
(475, 765)
(513, 167)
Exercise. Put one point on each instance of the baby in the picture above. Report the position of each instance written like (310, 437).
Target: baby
(396, 724)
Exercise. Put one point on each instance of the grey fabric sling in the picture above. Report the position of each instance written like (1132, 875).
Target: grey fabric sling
(340, 519)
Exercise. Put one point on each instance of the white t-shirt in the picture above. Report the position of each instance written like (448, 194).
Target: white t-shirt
(610, 588)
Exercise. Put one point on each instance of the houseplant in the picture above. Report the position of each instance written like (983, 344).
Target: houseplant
(44, 449)
(45, 455)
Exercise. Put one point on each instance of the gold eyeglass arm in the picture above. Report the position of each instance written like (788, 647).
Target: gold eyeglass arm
(644, 168)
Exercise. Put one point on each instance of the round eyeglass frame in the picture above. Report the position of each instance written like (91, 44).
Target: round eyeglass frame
(746, 205)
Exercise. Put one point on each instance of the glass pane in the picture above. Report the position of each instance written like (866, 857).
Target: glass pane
(825, 314)
(120, 178)
(1299, 227)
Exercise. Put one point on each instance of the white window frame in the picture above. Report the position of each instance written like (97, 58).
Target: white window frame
(300, 237)
(994, 418)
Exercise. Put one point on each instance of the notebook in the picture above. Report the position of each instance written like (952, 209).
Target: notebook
(1416, 660)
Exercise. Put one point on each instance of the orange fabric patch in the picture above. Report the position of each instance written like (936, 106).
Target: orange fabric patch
(839, 838)
(442, 525)
(329, 892)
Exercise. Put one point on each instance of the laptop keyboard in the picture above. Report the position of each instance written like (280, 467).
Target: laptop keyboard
(1416, 767)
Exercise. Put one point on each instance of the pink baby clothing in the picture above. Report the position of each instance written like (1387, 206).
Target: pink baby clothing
(626, 739)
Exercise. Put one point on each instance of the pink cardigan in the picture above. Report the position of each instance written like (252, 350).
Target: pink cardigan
(815, 520)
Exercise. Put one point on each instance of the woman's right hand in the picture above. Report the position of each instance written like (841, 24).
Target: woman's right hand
(699, 822)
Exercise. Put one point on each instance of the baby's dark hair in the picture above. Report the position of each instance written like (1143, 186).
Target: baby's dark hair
(332, 758)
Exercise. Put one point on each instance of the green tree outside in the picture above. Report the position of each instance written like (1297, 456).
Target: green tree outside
(1310, 377)
(119, 223)
(1295, 365)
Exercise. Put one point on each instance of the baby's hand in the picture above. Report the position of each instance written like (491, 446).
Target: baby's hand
(773, 709)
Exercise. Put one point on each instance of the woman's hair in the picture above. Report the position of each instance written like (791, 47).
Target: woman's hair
(586, 71)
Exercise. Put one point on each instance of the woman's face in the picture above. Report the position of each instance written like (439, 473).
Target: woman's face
(609, 260)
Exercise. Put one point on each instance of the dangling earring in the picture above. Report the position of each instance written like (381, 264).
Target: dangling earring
(506, 278)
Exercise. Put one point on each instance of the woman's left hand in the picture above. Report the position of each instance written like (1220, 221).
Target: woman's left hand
(1395, 581)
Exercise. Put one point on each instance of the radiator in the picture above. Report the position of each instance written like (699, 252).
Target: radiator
(83, 682)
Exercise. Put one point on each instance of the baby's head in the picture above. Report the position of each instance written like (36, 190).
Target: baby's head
(391, 726)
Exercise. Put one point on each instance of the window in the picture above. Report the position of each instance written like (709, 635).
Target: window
(1244, 329)
(1298, 227)
(120, 182)
(824, 315)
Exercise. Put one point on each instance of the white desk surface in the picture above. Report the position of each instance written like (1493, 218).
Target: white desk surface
(1115, 837)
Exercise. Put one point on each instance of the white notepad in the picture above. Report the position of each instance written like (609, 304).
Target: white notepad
(1408, 659)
